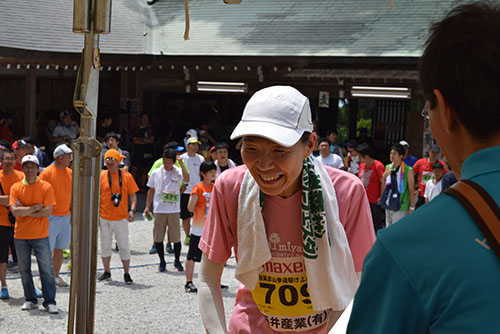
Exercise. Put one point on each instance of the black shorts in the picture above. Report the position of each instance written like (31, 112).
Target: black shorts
(6, 234)
(185, 214)
(194, 253)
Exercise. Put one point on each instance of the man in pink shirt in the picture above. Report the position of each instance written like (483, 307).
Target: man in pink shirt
(276, 128)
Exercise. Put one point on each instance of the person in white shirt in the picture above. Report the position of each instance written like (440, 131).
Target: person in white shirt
(327, 158)
(193, 162)
(433, 186)
(164, 184)
(223, 162)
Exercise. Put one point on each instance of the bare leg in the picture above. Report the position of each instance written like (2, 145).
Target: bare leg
(189, 270)
(126, 266)
(3, 273)
(57, 259)
(186, 225)
(105, 262)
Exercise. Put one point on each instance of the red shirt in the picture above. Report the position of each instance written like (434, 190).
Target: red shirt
(424, 170)
(370, 176)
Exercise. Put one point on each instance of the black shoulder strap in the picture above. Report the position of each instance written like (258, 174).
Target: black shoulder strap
(482, 209)
(1, 189)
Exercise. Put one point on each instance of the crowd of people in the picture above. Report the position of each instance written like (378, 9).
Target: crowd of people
(307, 218)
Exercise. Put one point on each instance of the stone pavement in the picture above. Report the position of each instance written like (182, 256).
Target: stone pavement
(155, 303)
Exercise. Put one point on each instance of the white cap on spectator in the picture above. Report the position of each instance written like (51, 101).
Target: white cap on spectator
(61, 150)
(30, 158)
(192, 133)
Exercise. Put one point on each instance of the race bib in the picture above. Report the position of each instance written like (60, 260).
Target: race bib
(283, 297)
(426, 176)
(170, 197)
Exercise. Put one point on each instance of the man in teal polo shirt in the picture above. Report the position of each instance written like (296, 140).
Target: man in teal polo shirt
(434, 271)
(185, 175)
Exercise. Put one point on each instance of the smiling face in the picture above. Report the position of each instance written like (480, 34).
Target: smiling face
(276, 169)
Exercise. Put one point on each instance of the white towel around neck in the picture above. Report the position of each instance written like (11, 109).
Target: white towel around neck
(334, 281)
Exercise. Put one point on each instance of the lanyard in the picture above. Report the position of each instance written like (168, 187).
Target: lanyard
(119, 180)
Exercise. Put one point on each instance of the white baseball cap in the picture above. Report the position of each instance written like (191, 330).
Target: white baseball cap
(61, 150)
(404, 143)
(192, 133)
(278, 113)
(30, 158)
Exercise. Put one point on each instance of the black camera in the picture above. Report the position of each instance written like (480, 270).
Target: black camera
(116, 198)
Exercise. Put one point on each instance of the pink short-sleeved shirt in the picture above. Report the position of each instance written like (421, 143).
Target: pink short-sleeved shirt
(284, 232)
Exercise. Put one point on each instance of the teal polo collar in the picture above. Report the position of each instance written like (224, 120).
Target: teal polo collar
(481, 162)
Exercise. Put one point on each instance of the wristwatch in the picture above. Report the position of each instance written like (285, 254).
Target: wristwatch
(133, 210)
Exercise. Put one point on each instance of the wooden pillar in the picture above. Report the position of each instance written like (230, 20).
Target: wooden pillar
(30, 103)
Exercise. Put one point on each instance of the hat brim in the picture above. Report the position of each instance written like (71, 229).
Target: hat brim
(273, 132)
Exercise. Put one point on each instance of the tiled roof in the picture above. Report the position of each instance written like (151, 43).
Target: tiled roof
(328, 28)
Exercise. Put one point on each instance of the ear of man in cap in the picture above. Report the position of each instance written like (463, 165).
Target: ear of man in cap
(278, 113)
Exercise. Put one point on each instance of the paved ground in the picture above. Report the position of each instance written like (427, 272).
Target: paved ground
(156, 302)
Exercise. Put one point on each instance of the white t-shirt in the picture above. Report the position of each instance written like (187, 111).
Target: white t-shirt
(432, 190)
(193, 165)
(61, 131)
(166, 184)
(332, 160)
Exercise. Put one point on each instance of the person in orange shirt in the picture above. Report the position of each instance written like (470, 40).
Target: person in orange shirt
(60, 177)
(198, 204)
(31, 202)
(8, 176)
(116, 187)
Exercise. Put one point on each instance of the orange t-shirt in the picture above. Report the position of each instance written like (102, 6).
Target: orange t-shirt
(7, 181)
(61, 181)
(31, 194)
(108, 210)
(201, 209)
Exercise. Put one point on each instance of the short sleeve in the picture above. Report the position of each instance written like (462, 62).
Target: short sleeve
(49, 198)
(13, 194)
(57, 132)
(132, 187)
(380, 170)
(151, 180)
(386, 301)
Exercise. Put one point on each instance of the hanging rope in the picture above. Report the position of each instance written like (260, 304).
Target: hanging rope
(186, 29)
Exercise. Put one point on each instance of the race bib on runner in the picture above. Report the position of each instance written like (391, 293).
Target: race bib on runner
(283, 297)
(169, 197)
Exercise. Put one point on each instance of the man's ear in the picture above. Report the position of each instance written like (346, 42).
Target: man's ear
(310, 144)
(448, 116)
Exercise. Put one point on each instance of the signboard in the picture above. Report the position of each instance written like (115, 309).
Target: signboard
(324, 99)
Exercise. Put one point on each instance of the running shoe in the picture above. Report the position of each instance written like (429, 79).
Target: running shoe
(127, 279)
(170, 250)
(178, 266)
(187, 240)
(4, 294)
(162, 267)
(28, 306)
(104, 276)
(12, 267)
(60, 282)
(153, 250)
(38, 293)
(190, 287)
(52, 309)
